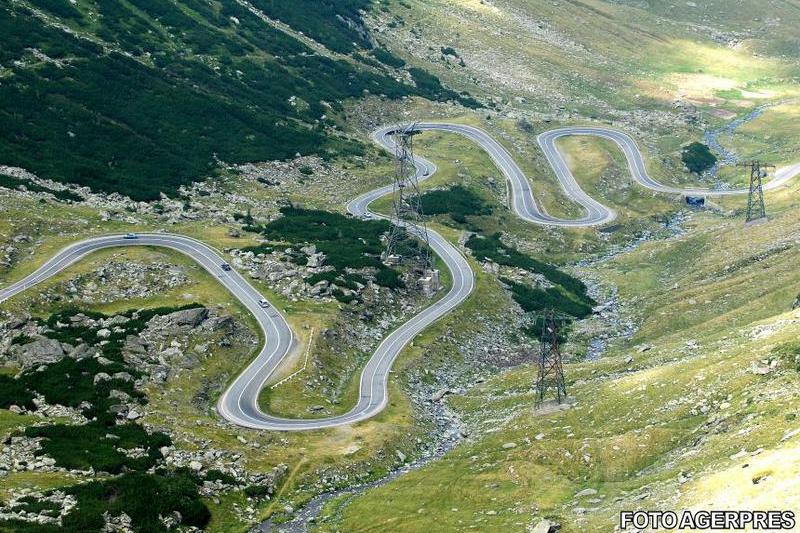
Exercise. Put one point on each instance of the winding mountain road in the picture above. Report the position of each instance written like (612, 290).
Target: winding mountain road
(239, 403)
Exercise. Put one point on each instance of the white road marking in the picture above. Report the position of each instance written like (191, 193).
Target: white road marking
(239, 403)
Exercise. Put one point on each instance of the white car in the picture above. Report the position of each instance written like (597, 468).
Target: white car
(263, 303)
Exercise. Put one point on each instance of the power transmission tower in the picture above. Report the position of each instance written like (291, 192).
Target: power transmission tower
(551, 371)
(755, 199)
(406, 209)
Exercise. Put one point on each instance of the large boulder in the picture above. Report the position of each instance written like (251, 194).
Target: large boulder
(38, 352)
(547, 526)
(217, 323)
(83, 351)
(135, 344)
(188, 317)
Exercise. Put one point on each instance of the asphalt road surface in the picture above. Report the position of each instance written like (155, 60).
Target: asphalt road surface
(239, 403)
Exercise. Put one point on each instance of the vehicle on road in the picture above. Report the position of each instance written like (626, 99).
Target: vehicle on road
(130, 236)
(263, 303)
(239, 403)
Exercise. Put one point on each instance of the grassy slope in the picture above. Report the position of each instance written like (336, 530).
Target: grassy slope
(470, 481)
(610, 61)
(658, 433)
(544, 47)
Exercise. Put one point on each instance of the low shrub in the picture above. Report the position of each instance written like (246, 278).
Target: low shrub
(346, 242)
(457, 201)
(698, 158)
(15, 392)
(492, 248)
(789, 353)
(95, 446)
(144, 497)
(533, 299)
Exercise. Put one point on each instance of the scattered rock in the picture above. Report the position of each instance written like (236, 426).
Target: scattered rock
(546, 526)
(439, 395)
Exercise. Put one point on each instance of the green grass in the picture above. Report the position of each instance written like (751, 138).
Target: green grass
(771, 137)
(634, 428)
(11, 422)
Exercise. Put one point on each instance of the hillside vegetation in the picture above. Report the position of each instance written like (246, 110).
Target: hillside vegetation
(143, 96)
(698, 409)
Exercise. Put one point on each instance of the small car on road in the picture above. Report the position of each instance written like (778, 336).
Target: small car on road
(263, 303)
(130, 236)
(226, 267)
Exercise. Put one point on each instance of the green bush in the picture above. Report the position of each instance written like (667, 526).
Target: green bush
(260, 249)
(69, 381)
(534, 331)
(94, 445)
(21, 339)
(216, 475)
(59, 8)
(342, 297)
(698, 158)
(449, 51)
(32, 505)
(347, 242)
(326, 21)
(144, 497)
(257, 491)
(457, 201)
(388, 277)
(387, 58)
(342, 280)
(15, 392)
(245, 218)
(533, 299)
(180, 113)
(430, 87)
(492, 248)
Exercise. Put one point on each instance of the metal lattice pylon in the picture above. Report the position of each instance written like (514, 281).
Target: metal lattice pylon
(755, 199)
(551, 371)
(406, 210)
